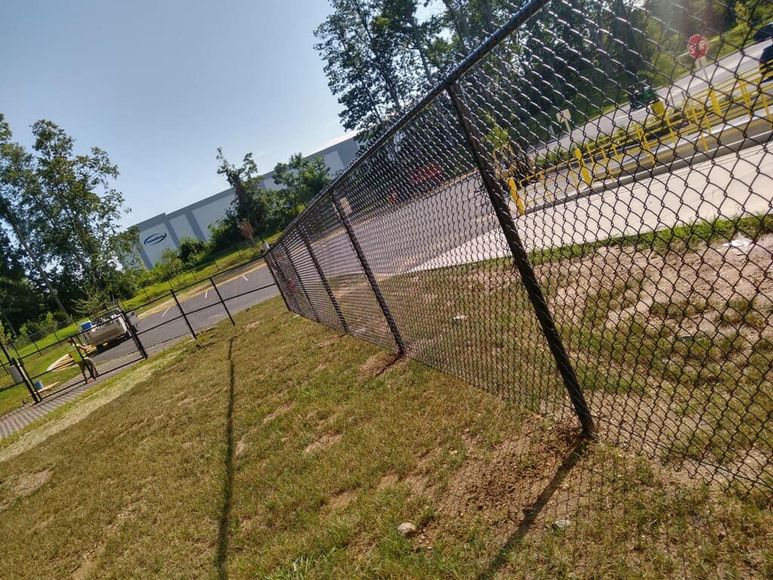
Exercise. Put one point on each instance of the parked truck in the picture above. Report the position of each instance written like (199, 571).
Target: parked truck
(108, 328)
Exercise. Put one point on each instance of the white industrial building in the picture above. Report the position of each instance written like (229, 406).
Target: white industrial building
(164, 231)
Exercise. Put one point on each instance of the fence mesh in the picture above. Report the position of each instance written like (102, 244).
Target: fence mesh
(579, 203)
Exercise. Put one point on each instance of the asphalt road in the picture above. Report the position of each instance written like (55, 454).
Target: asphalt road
(457, 225)
(724, 69)
(203, 309)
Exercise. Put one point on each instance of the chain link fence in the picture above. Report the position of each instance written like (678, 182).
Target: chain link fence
(121, 337)
(577, 218)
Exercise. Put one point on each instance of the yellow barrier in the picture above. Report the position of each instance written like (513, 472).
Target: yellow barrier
(698, 113)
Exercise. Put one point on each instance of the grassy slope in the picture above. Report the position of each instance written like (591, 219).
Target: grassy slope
(330, 450)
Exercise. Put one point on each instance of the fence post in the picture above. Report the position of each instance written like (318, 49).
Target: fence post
(135, 337)
(300, 283)
(283, 285)
(217, 291)
(521, 259)
(185, 318)
(322, 277)
(369, 274)
(13, 363)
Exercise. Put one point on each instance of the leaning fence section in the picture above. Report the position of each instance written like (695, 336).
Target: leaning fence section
(576, 219)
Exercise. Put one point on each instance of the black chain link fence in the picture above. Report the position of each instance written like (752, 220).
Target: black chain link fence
(120, 337)
(577, 218)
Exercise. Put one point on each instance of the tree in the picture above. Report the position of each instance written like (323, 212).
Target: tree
(365, 63)
(63, 211)
(301, 179)
(15, 174)
(74, 205)
(249, 200)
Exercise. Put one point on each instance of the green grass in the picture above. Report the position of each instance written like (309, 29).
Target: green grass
(306, 462)
(12, 397)
(674, 239)
(199, 273)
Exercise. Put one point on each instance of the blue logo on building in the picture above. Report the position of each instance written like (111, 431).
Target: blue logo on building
(154, 239)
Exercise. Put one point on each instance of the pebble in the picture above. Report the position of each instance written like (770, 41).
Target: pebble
(406, 529)
(561, 525)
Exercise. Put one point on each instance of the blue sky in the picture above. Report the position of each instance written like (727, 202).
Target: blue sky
(161, 84)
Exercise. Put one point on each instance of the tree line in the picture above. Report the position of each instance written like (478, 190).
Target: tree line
(59, 226)
(380, 55)
(61, 242)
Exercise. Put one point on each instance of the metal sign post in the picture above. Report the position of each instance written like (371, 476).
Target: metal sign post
(698, 47)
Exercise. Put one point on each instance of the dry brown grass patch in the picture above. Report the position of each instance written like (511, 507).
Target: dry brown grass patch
(278, 412)
(323, 442)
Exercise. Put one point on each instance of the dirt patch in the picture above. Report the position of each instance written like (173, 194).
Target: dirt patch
(688, 291)
(686, 337)
(417, 484)
(252, 325)
(323, 442)
(389, 480)
(186, 401)
(500, 487)
(340, 500)
(493, 280)
(28, 483)
(378, 364)
(278, 412)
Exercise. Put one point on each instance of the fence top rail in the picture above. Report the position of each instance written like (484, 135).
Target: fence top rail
(529, 9)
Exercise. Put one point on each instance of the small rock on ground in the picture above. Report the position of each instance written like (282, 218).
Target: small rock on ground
(406, 529)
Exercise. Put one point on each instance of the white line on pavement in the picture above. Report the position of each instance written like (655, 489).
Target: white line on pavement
(165, 311)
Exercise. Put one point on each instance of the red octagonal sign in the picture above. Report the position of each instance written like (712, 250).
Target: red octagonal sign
(698, 46)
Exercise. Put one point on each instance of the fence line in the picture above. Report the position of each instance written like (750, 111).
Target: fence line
(625, 287)
(186, 315)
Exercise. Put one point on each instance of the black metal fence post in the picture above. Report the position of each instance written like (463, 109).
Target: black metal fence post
(19, 366)
(521, 259)
(281, 281)
(300, 283)
(322, 277)
(135, 337)
(369, 274)
(219, 297)
(182, 312)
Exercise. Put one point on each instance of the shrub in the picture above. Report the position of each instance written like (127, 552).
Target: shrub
(168, 266)
(191, 250)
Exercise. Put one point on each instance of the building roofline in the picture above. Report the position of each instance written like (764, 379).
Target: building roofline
(165, 217)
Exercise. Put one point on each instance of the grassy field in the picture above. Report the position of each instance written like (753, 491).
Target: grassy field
(280, 449)
(11, 397)
(200, 272)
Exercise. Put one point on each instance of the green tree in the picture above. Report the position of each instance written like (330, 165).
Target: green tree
(74, 204)
(63, 211)
(301, 179)
(15, 174)
(249, 199)
(367, 69)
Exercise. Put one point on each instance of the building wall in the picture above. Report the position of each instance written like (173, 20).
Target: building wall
(154, 239)
(165, 231)
(210, 213)
(182, 227)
